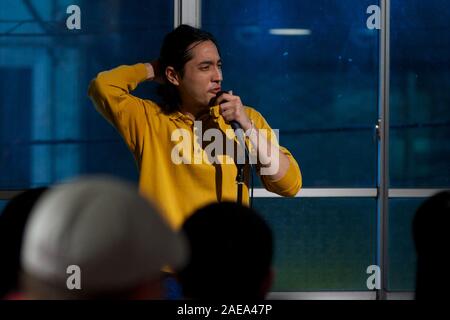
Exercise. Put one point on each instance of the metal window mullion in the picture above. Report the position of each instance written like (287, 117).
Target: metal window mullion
(187, 12)
(413, 193)
(322, 295)
(338, 295)
(6, 194)
(322, 193)
(176, 13)
(383, 166)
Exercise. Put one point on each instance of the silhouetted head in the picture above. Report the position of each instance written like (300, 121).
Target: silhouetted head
(431, 237)
(231, 253)
(97, 238)
(191, 66)
(12, 225)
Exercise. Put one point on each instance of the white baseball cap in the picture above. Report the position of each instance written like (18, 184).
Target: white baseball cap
(102, 225)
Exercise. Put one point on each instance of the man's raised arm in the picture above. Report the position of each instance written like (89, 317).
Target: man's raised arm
(110, 92)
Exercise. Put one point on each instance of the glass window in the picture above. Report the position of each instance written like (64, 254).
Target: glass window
(318, 87)
(321, 243)
(401, 250)
(420, 99)
(49, 129)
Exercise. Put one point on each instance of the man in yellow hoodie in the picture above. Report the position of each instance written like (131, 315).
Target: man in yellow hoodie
(181, 144)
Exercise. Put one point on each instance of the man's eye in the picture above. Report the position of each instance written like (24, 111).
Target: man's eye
(204, 68)
(220, 66)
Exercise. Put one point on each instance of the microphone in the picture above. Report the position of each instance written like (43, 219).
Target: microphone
(235, 125)
(239, 133)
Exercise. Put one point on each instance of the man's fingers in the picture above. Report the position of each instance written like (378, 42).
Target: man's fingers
(228, 115)
(225, 106)
(220, 99)
(229, 106)
(229, 97)
(226, 97)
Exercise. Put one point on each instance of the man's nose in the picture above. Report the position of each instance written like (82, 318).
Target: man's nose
(217, 76)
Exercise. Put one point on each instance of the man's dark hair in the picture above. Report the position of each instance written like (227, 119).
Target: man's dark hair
(231, 253)
(12, 225)
(430, 232)
(175, 52)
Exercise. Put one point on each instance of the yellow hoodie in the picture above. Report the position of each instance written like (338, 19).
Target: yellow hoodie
(178, 189)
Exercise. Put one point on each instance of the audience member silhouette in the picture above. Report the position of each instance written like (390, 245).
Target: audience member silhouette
(12, 225)
(430, 231)
(97, 238)
(231, 254)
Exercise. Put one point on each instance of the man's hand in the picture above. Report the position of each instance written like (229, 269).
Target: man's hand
(276, 163)
(231, 108)
(154, 72)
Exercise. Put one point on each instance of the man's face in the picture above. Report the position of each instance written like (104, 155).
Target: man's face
(202, 75)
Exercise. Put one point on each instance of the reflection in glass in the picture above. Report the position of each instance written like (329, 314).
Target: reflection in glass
(420, 99)
(49, 130)
(321, 243)
(318, 87)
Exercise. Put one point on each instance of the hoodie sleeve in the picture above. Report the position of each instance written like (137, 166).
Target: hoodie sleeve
(110, 93)
(289, 185)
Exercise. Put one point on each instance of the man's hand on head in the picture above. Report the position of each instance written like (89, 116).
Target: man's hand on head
(154, 72)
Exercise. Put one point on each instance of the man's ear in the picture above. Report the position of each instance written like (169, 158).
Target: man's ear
(172, 76)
